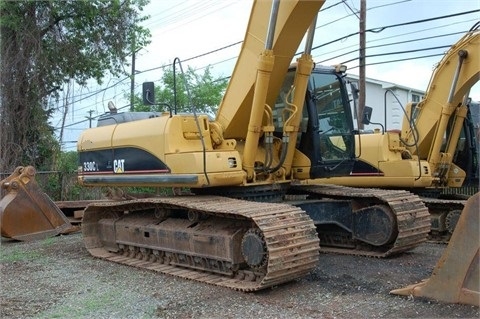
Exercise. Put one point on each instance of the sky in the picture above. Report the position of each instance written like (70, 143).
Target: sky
(204, 32)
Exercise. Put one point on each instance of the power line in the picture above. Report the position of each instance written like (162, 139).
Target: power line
(155, 68)
(325, 44)
(390, 44)
(339, 39)
(183, 12)
(349, 15)
(396, 36)
(399, 60)
(400, 52)
(101, 90)
(368, 64)
(380, 29)
(348, 6)
(239, 42)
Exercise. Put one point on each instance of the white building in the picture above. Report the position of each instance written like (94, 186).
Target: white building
(388, 101)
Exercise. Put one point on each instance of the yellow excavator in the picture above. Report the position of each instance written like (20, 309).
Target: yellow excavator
(261, 197)
(262, 176)
(423, 157)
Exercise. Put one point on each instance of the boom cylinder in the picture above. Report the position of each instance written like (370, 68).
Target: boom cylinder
(304, 70)
(441, 159)
(264, 70)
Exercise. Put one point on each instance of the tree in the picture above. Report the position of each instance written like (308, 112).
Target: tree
(205, 91)
(45, 44)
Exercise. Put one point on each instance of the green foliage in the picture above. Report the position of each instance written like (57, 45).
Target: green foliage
(83, 305)
(41, 153)
(205, 92)
(49, 241)
(78, 39)
(45, 44)
(67, 165)
(67, 162)
(58, 184)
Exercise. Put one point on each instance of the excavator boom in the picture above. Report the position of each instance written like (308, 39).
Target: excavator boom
(294, 18)
(446, 95)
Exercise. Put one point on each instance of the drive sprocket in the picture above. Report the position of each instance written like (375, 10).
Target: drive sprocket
(254, 249)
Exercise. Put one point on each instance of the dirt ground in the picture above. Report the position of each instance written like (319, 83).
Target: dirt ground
(57, 278)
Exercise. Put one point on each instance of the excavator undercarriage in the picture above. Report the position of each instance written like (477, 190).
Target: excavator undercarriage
(369, 222)
(227, 242)
(247, 245)
(444, 215)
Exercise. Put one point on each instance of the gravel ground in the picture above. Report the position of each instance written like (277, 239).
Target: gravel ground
(57, 278)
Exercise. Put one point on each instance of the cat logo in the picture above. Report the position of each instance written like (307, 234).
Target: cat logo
(119, 166)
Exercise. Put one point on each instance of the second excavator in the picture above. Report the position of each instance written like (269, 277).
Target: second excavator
(259, 175)
(422, 157)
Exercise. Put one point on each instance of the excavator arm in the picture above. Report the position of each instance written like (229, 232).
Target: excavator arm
(444, 103)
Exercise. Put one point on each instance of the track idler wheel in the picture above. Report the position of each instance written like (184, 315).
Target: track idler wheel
(375, 225)
(254, 249)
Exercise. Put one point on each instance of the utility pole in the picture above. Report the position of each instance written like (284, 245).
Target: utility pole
(132, 77)
(90, 118)
(361, 72)
(66, 99)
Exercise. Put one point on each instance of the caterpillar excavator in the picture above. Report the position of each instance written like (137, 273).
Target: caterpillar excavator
(423, 157)
(259, 175)
(263, 176)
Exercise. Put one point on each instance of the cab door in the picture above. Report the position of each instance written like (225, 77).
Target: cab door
(328, 139)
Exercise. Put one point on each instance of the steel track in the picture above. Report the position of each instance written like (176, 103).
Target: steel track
(292, 243)
(413, 219)
(438, 207)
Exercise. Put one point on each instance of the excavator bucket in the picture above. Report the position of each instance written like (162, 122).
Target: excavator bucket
(456, 277)
(26, 212)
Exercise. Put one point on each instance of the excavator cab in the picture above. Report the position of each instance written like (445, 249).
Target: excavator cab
(26, 212)
(326, 133)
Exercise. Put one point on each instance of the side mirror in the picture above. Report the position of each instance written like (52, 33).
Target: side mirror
(148, 93)
(367, 115)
